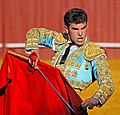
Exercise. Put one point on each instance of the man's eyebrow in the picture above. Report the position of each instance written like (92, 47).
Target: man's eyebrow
(83, 27)
(74, 28)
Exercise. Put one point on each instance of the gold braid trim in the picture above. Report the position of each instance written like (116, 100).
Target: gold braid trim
(92, 51)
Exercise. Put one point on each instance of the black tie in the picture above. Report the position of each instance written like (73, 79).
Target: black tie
(65, 54)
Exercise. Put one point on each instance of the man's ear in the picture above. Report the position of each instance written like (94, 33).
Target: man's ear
(66, 29)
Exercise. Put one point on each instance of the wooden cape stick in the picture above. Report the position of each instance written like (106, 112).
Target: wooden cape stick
(18, 55)
(26, 59)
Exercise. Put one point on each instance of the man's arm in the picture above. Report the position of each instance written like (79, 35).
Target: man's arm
(102, 74)
(36, 37)
(104, 78)
(105, 82)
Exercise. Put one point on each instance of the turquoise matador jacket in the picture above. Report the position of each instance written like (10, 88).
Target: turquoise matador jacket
(82, 67)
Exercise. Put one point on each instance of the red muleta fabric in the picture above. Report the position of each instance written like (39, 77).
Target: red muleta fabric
(24, 91)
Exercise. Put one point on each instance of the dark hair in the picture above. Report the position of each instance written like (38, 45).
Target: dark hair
(75, 15)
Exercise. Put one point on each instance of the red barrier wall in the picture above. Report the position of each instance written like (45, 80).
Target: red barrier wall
(18, 16)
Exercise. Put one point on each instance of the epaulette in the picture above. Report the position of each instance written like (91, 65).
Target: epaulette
(60, 39)
(92, 51)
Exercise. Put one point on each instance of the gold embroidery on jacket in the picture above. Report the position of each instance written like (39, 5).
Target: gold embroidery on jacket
(75, 55)
(80, 85)
(92, 50)
(77, 65)
(32, 39)
(104, 79)
(56, 47)
(86, 65)
(62, 66)
(60, 39)
(71, 62)
(77, 83)
(32, 33)
(71, 82)
(67, 72)
(74, 73)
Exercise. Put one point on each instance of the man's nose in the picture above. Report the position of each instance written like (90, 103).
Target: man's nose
(80, 32)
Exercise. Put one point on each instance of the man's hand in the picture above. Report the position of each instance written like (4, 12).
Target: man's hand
(90, 103)
(33, 58)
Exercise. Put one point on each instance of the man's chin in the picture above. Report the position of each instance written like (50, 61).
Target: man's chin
(80, 43)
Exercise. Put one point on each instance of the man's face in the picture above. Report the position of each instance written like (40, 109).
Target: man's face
(77, 33)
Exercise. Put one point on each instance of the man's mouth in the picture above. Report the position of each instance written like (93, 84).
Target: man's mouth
(80, 39)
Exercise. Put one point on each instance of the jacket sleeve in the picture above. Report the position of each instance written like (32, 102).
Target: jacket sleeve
(36, 37)
(104, 77)
(101, 72)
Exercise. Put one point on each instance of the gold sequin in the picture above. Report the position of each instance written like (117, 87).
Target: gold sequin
(74, 74)
(77, 83)
(71, 62)
(75, 55)
(77, 65)
(86, 65)
(67, 72)
(62, 66)
(71, 82)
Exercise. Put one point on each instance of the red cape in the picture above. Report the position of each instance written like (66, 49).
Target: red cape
(24, 91)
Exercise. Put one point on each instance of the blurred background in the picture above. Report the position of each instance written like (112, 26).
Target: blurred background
(18, 16)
